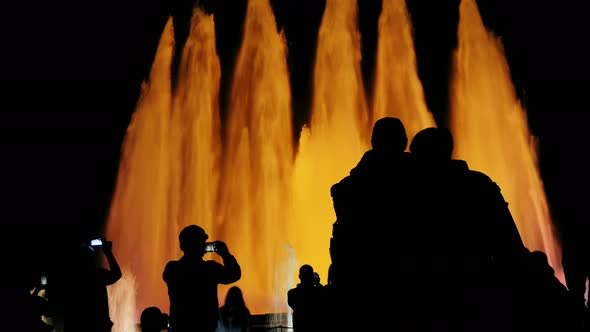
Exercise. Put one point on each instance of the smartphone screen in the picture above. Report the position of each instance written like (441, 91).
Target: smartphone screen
(43, 280)
(96, 242)
(210, 247)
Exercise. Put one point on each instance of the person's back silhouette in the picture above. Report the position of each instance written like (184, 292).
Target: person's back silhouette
(235, 315)
(153, 320)
(192, 282)
(307, 302)
(375, 197)
(87, 302)
(470, 231)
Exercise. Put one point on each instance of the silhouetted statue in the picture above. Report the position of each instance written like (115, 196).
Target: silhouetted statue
(235, 315)
(87, 302)
(192, 282)
(153, 320)
(307, 301)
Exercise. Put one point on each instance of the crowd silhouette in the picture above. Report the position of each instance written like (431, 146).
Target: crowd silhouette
(445, 255)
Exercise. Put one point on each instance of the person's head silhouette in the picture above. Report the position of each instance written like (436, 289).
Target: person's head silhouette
(234, 297)
(306, 274)
(192, 240)
(389, 134)
(152, 320)
(433, 144)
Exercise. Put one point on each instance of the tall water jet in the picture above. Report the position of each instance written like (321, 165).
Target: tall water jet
(167, 177)
(337, 135)
(491, 131)
(196, 132)
(139, 200)
(255, 202)
(398, 90)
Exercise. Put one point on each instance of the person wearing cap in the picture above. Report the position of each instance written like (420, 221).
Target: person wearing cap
(192, 282)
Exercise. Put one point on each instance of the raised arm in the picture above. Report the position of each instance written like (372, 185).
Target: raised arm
(114, 273)
(232, 271)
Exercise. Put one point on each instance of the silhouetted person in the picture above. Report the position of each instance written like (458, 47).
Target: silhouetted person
(469, 230)
(375, 197)
(317, 280)
(387, 156)
(87, 304)
(192, 282)
(334, 321)
(307, 301)
(153, 320)
(235, 315)
(26, 306)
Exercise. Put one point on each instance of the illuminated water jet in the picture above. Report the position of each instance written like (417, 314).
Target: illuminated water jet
(271, 207)
(491, 131)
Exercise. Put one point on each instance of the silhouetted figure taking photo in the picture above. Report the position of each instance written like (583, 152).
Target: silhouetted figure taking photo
(308, 302)
(192, 282)
(87, 302)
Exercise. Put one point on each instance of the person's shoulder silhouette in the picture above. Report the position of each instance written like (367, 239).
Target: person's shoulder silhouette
(388, 145)
(307, 302)
(88, 305)
(152, 319)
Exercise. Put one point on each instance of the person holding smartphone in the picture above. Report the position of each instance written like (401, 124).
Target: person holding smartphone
(87, 301)
(192, 281)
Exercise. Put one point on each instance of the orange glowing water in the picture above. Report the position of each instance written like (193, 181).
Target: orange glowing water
(255, 208)
(336, 136)
(162, 171)
(398, 91)
(271, 207)
(491, 131)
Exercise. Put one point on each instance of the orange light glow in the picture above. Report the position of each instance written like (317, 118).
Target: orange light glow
(271, 206)
(255, 196)
(398, 91)
(336, 137)
(491, 131)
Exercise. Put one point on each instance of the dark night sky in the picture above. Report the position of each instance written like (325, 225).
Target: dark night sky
(73, 72)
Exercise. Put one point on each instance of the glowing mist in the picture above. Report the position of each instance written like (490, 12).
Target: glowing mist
(491, 131)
